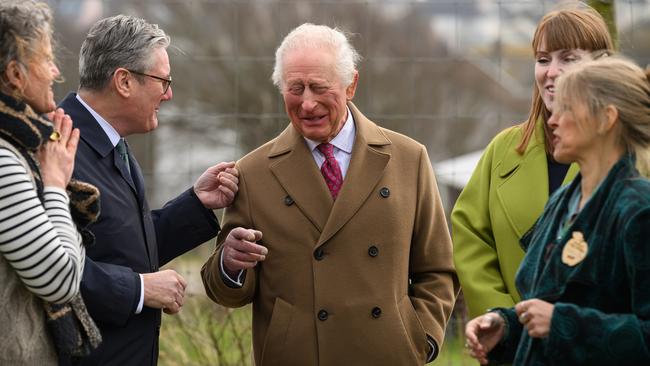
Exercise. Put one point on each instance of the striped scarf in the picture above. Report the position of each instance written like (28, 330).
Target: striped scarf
(74, 332)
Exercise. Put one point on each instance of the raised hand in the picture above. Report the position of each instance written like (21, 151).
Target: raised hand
(56, 156)
(217, 186)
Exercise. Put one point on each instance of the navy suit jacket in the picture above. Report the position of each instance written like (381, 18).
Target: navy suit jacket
(130, 239)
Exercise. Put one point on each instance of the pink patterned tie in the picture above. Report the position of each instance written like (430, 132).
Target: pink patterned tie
(330, 169)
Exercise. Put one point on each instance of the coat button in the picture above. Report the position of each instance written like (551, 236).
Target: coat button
(322, 315)
(288, 200)
(318, 254)
(376, 312)
(373, 251)
(384, 192)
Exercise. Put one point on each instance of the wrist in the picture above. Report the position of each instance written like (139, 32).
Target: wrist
(57, 183)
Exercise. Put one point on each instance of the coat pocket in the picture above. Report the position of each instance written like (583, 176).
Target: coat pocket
(413, 327)
(273, 351)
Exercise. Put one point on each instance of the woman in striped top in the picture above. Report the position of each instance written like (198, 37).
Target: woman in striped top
(42, 253)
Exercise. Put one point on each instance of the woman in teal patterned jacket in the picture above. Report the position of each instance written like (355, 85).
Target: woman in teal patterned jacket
(586, 274)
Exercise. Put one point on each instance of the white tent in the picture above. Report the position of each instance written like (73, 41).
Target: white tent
(455, 172)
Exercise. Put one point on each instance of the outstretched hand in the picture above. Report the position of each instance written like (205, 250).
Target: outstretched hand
(217, 186)
(482, 334)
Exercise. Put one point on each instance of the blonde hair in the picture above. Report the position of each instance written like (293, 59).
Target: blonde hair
(570, 28)
(618, 82)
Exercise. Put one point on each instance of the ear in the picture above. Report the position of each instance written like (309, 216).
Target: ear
(15, 75)
(352, 88)
(611, 118)
(123, 82)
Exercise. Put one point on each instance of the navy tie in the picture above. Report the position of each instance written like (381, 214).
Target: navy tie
(124, 154)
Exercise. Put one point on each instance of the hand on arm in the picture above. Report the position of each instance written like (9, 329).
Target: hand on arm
(164, 290)
(57, 157)
(482, 334)
(240, 251)
(217, 186)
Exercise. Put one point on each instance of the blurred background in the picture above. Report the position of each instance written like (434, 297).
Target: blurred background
(450, 74)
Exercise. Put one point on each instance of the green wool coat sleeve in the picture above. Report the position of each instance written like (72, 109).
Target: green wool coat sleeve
(504, 351)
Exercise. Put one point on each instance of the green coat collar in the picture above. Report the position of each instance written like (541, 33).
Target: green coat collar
(524, 181)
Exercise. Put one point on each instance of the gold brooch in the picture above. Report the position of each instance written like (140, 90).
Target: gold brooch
(575, 250)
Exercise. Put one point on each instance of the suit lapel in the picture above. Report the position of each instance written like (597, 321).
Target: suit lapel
(369, 159)
(93, 134)
(295, 169)
(96, 138)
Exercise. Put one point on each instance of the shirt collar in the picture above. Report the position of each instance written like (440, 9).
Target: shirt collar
(108, 129)
(344, 140)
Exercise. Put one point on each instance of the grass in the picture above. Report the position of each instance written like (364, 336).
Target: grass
(204, 333)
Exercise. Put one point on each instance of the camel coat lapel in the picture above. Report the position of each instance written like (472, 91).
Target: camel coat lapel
(367, 166)
(299, 175)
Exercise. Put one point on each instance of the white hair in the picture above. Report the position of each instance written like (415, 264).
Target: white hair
(318, 36)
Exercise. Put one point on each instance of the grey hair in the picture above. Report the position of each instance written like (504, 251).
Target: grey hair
(313, 36)
(118, 41)
(24, 24)
(618, 82)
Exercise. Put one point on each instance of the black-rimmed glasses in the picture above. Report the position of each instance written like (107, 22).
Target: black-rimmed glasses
(166, 83)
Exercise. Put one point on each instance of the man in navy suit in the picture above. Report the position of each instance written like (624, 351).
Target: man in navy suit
(124, 78)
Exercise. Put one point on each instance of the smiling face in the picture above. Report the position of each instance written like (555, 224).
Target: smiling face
(549, 65)
(41, 72)
(314, 97)
(148, 94)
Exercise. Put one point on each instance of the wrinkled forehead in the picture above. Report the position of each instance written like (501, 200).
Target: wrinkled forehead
(312, 62)
(40, 48)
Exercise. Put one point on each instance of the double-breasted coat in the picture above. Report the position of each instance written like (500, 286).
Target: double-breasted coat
(357, 281)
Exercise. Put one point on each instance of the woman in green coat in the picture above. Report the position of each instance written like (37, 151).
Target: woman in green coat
(586, 274)
(516, 173)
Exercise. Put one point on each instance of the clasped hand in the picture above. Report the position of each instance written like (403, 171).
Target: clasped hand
(240, 250)
(164, 290)
(484, 332)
